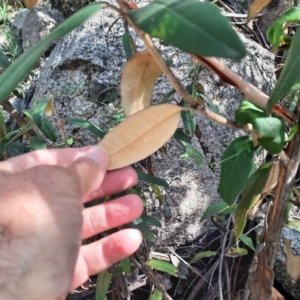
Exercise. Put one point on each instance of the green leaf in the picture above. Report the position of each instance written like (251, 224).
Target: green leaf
(87, 125)
(4, 62)
(151, 221)
(102, 285)
(12, 149)
(236, 166)
(36, 113)
(25, 62)
(141, 225)
(151, 179)
(214, 209)
(289, 75)
(188, 118)
(247, 112)
(181, 138)
(163, 266)
(37, 142)
(236, 252)
(157, 193)
(156, 295)
(272, 133)
(201, 255)
(48, 130)
(127, 45)
(276, 32)
(194, 153)
(247, 241)
(63, 145)
(192, 26)
(252, 192)
(125, 264)
(214, 107)
(2, 128)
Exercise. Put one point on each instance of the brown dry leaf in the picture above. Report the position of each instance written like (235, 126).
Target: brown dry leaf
(30, 4)
(273, 178)
(261, 280)
(137, 82)
(292, 261)
(141, 134)
(49, 108)
(256, 7)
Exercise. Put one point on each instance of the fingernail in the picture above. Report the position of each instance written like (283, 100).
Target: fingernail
(96, 153)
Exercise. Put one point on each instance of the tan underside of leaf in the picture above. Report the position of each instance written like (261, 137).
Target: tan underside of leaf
(141, 134)
(272, 179)
(30, 4)
(49, 108)
(137, 82)
(256, 7)
(292, 261)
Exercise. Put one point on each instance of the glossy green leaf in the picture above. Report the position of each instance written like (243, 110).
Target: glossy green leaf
(36, 113)
(2, 128)
(289, 75)
(252, 192)
(48, 130)
(272, 133)
(213, 209)
(87, 125)
(12, 149)
(201, 255)
(247, 241)
(163, 266)
(156, 295)
(37, 142)
(70, 141)
(247, 112)
(276, 31)
(125, 264)
(181, 138)
(102, 285)
(25, 62)
(192, 26)
(4, 62)
(236, 166)
(188, 117)
(151, 179)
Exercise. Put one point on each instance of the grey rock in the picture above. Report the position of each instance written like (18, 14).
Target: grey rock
(85, 59)
(39, 22)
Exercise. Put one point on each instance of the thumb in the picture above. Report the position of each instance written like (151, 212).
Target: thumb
(90, 169)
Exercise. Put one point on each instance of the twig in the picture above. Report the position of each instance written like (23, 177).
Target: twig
(152, 278)
(227, 278)
(248, 90)
(172, 78)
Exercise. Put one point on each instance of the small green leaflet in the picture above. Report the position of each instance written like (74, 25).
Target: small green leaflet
(36, 113)
(236, 167)
(247, 112)
(151, 179)
(190, 25)
(156, 295)
(247, 241)
(125, 264)
(127, 45)
(4, 62)
(276, 32)
(48, 130)
(289, 75)
(163, 266)
(87, 125)
(36, 143)
(214, 209)
(201, 255)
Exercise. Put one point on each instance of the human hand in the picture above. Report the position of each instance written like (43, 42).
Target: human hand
(42, 221)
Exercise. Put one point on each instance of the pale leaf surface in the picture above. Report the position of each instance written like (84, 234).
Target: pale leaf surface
(30, 4)
(256, 7)
(141, 134)
(137, 82)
